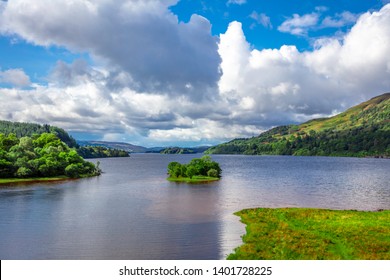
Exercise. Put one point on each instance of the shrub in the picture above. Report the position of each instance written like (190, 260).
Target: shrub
(212, 173)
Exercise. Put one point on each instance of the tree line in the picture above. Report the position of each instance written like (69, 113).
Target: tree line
(20, 129)
(363, 130)
(360, 141)
(100, 152)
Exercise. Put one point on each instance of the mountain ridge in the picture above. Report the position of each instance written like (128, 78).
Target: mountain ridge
(362, 130)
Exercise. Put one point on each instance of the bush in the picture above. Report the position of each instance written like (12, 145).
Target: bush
(23, 172)
(212, 173)
(73, 170)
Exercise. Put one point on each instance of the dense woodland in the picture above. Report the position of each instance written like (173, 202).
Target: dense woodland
(41, 155)
(31, 129)
(203, 166)
(363, 130)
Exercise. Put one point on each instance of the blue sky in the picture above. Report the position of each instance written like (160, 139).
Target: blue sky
(188, 72)
(263, 33)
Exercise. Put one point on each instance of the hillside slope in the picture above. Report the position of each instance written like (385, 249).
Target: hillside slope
(115, 145)
(363, 130)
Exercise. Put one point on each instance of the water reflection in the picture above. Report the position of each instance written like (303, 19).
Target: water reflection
(132, 212)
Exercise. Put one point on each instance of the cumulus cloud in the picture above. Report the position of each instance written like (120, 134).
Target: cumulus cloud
(15, 77)
(142, 38)
(285, 85)
(88, 104)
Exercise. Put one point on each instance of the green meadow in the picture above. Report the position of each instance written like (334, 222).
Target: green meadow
(314, 234)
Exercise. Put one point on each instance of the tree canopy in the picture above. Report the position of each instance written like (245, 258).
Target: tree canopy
(43, 155)
(203, 166)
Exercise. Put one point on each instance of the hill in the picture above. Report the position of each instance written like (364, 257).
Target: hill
(363, 130)
(115, 145)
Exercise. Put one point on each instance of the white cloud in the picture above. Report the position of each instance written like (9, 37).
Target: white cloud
(237, 2)
(261, 19)
(142, 38)
(285, 85)
(299, 25)
(339, 20)
(15, 77)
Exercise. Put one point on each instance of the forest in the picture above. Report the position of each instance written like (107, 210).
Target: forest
(41, 155)
(30, 129)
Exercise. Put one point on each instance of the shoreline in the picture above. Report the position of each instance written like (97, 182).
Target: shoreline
(4, 182)
(195, 179)
(313, 234)
(21, 181)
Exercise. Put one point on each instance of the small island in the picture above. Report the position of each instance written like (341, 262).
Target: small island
(199, 170)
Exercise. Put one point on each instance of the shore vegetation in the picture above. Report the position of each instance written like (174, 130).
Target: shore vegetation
(41, 156)
(314, 234)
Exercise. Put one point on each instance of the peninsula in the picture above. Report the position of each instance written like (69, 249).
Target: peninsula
(41, 157)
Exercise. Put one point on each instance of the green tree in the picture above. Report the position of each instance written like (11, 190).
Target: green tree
(212, 173)
(191, 171)
(23, 172)
(174, 169)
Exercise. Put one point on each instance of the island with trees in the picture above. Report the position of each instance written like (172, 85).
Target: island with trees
(198, 170)
(41, 157)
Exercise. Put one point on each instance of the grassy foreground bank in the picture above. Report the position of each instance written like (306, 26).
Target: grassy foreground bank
(307, 234)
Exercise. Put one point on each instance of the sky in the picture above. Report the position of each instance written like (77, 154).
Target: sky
(188, 73)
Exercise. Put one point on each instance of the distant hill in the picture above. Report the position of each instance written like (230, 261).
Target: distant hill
(139, 149)
(363, 130)
(178, 150)
(29, 129)
(115, 145)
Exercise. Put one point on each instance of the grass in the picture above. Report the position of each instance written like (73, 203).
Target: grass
(14, 181)
(31, 180)
(313, 234)
(194, 179)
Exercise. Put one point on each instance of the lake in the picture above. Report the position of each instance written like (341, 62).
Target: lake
(132, 212)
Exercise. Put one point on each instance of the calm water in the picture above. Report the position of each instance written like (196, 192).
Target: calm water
(132, 212)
